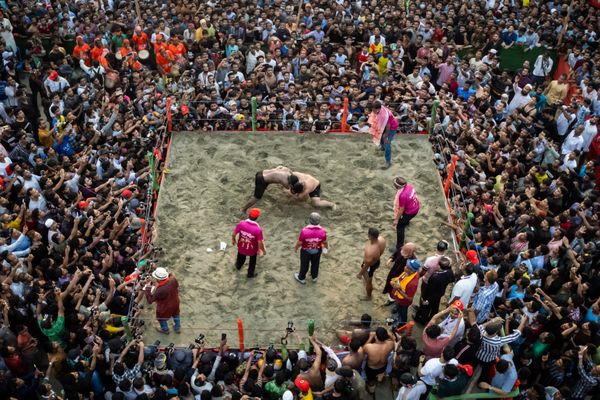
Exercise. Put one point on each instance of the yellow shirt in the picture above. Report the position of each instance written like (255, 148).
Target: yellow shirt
(556, 92)
(382, 63)
(198, 36)
(45, 137)
(14, 224)
(376, 48)
(499, 185)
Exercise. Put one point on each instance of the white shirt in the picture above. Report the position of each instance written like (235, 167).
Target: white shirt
(572, 143)
(448, 325)
(59, 85)
(34, 182)
(40, 204)
(542, 67)
(464, 288)
(413, 393)
(4, 168)
(518, 100)
(433, 369)
(381, 40)
(563, 123)
(414, 80)
(589, 133)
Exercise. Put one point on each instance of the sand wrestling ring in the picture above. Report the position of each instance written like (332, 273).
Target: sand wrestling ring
(212, 175)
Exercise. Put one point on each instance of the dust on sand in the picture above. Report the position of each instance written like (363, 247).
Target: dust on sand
(212, 175)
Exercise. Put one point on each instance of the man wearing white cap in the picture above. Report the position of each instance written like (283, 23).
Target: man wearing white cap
(312, 240)
(166, 296)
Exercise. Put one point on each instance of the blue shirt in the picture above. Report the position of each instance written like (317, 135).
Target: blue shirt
(509, 38)
(465, 94)
(317, 35)
(513, 294)
(591, 317)
(507, 380)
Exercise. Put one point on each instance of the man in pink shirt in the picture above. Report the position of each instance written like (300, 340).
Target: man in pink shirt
(312, 240)
(250, 241)
(406, 207)
(389, 125)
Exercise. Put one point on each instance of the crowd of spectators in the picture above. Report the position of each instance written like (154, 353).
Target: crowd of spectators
(83, 99)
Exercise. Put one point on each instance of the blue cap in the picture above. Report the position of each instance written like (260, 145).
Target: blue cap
(414, 264)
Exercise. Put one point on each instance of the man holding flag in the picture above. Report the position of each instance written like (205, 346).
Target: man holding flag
(387, 125)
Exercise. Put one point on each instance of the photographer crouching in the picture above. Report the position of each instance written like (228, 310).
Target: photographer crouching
(166, 296)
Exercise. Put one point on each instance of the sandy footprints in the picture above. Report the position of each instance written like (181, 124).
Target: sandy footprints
(210, 152)
(363, 163)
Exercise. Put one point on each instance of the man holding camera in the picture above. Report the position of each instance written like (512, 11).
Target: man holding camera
(166, 296)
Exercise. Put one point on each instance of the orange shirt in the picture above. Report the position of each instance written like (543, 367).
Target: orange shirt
(81, 53)
(177, 50)
(164, 57)
(96, 53)
(140, 41)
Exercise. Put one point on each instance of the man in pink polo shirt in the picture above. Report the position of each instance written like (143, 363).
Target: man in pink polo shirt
(312, 240)
(249, 242)
(406, 207)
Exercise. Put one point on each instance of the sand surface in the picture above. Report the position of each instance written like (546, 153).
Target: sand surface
(212, 175)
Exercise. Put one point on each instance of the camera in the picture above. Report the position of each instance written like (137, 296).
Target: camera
(170, 347)
(290, 327)
(199, 340)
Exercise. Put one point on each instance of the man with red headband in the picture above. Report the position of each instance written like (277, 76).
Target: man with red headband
(250, 241)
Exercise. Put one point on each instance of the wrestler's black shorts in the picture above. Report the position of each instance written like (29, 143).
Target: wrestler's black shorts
(316, 192)
(373, 268)
(259, 185)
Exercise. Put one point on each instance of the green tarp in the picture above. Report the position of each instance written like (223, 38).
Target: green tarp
(512, 59)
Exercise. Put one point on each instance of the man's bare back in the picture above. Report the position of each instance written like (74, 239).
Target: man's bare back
(280, 175)
(309, 182)
(354, 360)
(378, 353)
(311, 190)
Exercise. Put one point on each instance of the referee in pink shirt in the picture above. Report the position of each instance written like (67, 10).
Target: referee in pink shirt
(248, 237)
(312, 240)
(406, 207)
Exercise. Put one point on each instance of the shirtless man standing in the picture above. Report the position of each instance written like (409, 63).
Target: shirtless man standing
(313, 373)
(373, 251)
(309, 187)
(378, 349)
(355, 357)
(280, 175)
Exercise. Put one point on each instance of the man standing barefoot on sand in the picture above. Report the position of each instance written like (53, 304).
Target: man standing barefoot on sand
(378, 349)
(371, 261)
(309, 187)
(281, 175)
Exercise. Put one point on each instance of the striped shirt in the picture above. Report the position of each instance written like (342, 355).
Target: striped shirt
(484, 300)
(491, 345)
(586, 380)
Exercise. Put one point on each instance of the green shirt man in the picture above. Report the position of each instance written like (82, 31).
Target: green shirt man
(55, 332)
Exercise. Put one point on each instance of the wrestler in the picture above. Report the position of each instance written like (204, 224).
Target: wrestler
(281, 175)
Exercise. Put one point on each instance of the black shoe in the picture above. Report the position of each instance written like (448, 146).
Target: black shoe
(253, 275)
